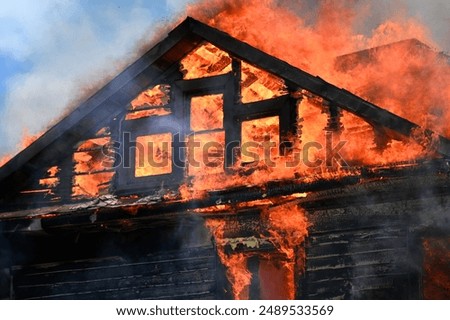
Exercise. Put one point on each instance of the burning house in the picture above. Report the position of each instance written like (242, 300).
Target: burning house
(209, 169)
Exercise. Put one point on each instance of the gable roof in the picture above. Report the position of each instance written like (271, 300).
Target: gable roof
(163, 57)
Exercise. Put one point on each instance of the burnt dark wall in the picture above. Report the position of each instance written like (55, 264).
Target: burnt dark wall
(361, 263)
(175, 261)
(366, 241)
(363, 249)
(187, 274)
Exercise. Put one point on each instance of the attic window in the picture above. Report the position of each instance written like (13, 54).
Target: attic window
(260, 138)
(151, 102)
(205, 147)
(207, 112)
(153, 155)
(205, 61)
(206, 153)
(257, 84)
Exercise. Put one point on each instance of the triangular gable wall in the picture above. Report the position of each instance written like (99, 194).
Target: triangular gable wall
(101, 116)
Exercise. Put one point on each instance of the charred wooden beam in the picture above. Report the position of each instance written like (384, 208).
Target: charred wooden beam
(236, 67)
(204, 86)
(58, 219)
(435, 171)
(382, 139)
(230, 123)
(260, 109)
(64, 189)
(334, 123)
(288, 125)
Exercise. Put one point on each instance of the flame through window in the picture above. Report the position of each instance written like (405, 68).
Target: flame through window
(153, 155)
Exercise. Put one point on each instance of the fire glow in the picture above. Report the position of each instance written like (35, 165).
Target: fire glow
(313, 50)
(317, 56)
(286, 229)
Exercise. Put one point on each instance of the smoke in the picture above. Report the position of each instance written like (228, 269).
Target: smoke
(371, 14)
(432, 14)
(70, 47)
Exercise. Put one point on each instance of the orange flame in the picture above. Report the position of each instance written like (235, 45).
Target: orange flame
(408, 78)
(288, 225)
(153, 97)
(147, 113)
(236, 264)
(150, 103)
(209, 162)
(5, 159)
(153, 155)
(258, 84)
(207, 112)
(287, 229)
(28, 138)
(51, 180)
(313, 50)
(265, 132)
(206, 60)
(93, 163)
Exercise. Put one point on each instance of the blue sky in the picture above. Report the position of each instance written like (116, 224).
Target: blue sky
(50, 50)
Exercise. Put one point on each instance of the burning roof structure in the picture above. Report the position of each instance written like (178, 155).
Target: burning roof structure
(210, 169)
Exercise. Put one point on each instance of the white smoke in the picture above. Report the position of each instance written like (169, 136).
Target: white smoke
(69, 45)
(436, 15)
(432, 14)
